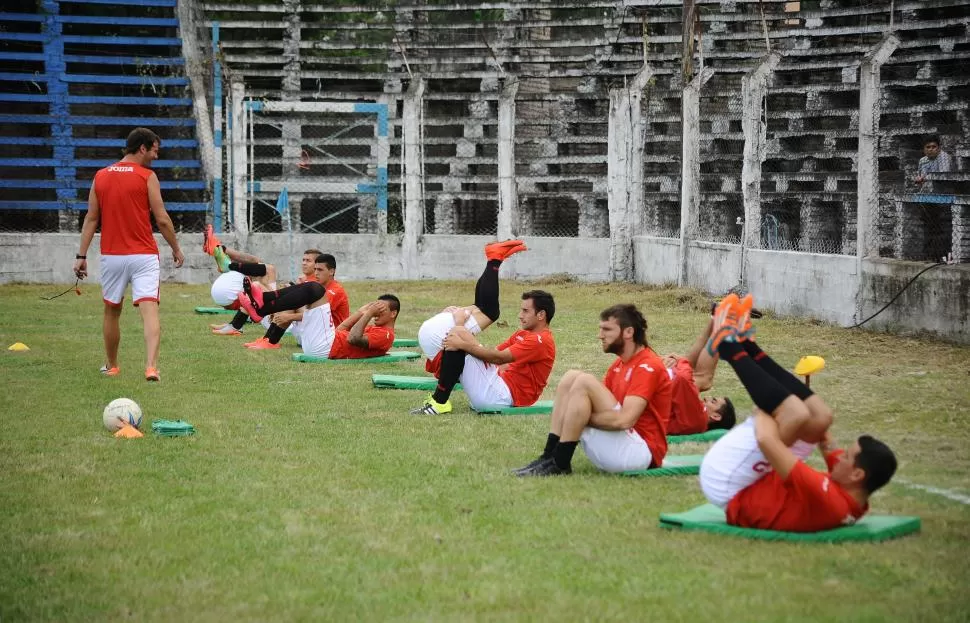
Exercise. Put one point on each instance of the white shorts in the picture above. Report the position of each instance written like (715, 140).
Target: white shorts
(434, 330)
(226, 288)
(735, 462)
(317, 332)
(616, 450)
(482, 384)
(141, 271)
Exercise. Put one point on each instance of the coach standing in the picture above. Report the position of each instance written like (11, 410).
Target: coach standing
(121, 198)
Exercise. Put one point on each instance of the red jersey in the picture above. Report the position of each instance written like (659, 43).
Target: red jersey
(126, 226)
(380, 340)
(526, 377)
(339, 303)
(645, 376)
(688, 413)
(807, 501)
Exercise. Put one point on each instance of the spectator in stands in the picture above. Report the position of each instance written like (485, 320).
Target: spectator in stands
(934, 159)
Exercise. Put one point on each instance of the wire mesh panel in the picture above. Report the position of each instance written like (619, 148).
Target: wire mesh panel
(317, 167)
(660, 107)
(809, 176)
(460, 157)
(721, 210)
(560, 159)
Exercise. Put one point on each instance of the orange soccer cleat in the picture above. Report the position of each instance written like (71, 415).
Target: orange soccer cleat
(262, 343)
(501, 251)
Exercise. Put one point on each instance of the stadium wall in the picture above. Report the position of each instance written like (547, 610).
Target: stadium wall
(827, 287)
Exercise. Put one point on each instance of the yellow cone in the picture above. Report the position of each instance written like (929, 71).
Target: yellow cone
(19, 346)
(809, 365)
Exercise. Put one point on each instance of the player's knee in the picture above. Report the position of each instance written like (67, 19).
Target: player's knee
(568, 379)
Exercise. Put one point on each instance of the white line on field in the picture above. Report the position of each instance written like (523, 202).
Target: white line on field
(950, 495)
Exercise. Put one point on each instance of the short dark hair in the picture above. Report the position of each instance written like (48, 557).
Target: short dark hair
(326, 258)
(542, 301)
(140, 137)
(728, 417)
(393, 302)
(876, 460)
(931, 138)
(313, 252)
(627, 315)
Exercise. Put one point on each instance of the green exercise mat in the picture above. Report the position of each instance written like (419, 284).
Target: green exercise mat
(711, 435)
(394, 355)
(393, 381)
(172, 428)
(214, 310)
(709, 518)
(404, 342)
(543, 406)
(673, 465)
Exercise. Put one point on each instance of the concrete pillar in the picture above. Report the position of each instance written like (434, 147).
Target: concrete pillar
(508, 208)
(867, 210)
(690, 163)
(291, 130)
(412, 162)
(754, 86)
(624, 191)
(189, 14)
(239, 159)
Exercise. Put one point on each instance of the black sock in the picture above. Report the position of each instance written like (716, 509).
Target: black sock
(275, 333)
(551, 443)
(791, 382)
(563, 454)
(486, 290)
(293, 297)
(239, 320)
(248, 269)
(452, 365)
(765, 391)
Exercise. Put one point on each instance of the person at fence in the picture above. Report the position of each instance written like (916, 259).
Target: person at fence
(368, 332)
(757, 471)
(690, 413)
(325, 267)
(512, 374)
(123, 199)
(934, 159)
(620, 421)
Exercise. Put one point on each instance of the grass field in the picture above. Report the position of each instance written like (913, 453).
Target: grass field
(308, 495)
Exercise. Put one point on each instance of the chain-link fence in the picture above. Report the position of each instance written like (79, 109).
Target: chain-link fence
(721, 206)
(313, 168)
(662, 149)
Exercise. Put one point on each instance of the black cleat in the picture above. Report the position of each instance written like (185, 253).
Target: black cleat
(522, 470)
(546, 467)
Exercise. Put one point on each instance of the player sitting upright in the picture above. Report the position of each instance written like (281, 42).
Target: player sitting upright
(690, 375)
(621, 421)
(369, 332)
(512, 374)
(757, 471)
(324, 268)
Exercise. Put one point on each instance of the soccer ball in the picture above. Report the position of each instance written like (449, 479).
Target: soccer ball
(121, 411)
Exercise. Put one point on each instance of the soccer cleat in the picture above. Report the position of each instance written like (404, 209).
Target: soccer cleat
(105, 370)
(222, 260)
(262, 343)
(226, 329)
(249, 299)
(151, 374)
(430, 407)
(530, 466)
(725, 323)
(210, 241)
(503, 250)
(745, 328)
(547, 467)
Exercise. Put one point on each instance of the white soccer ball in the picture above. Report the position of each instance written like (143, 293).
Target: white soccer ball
(121, 411)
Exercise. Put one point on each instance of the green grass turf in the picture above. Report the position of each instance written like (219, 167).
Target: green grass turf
(306, 494)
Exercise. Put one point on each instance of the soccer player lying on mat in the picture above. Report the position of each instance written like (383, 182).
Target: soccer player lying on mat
(369, 332)
(324, 268)
(621, 421)
(757, 472)
(689, 412)
(512, 374)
